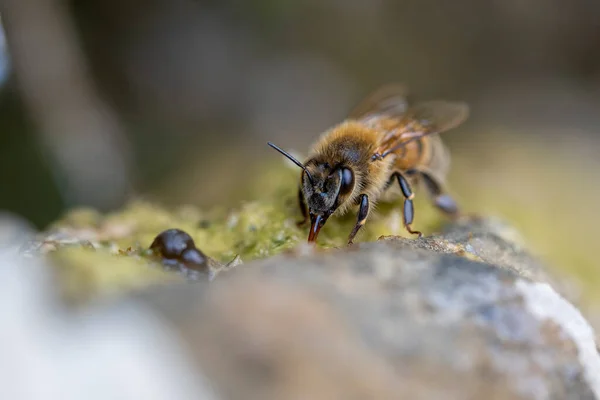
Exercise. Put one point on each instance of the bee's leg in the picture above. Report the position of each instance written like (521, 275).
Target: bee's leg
(303, 209)
(409, 209)
(441, 200)
(361, 218)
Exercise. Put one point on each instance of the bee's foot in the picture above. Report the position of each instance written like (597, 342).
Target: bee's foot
(376, 156)
(418, 233)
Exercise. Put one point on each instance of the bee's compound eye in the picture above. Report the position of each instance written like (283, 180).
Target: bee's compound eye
(347, 183)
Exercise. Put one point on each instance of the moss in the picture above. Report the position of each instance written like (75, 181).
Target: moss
(255, 229)
(86, 273)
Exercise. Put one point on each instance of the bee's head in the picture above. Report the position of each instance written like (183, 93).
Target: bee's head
(324, 187)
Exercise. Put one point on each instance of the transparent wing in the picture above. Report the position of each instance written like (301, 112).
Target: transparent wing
(424, 119)
(437, 116)
(390, 100)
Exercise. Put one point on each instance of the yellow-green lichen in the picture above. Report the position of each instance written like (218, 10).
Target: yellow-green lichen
(253, 230)
(85, 273)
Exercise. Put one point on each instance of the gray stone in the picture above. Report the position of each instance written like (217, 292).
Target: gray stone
(464, 315)
(468, 314)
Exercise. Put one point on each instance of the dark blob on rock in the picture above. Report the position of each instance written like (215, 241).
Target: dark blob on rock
(178, 249)
(172, 243)
(193, 256)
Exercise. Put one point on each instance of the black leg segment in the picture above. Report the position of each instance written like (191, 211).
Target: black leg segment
(405, 187)
(409, 209)
(440, 199)
(363, 213)
(409, 212)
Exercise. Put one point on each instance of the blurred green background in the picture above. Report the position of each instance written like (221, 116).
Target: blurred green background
(104, 100)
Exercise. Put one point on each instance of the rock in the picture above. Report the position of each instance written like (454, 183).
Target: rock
(118, 351)
(466, 314)
(491, 241)
(463, 315)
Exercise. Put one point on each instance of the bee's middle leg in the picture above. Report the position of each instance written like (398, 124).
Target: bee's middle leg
(409, 209)
(361, 218)
(303, 209)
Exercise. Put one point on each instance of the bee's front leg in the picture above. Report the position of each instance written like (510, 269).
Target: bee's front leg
(363, 213)
(303, 209)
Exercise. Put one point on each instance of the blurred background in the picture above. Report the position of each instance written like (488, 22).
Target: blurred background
(104, 100)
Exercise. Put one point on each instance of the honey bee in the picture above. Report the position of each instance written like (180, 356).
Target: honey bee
(384, 140)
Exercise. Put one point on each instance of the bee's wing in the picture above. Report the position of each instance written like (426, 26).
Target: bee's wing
(389, 100)
(424, 119)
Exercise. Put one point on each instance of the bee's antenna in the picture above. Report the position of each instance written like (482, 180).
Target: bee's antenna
(292, 159)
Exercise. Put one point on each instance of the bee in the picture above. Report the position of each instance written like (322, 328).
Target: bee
(384, 143)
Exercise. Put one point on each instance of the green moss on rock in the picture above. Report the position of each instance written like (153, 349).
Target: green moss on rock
(97, 253)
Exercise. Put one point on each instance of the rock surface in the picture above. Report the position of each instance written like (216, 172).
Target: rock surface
(464, 315)
(467, 314)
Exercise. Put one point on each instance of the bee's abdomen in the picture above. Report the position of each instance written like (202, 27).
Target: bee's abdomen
(435, 157)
